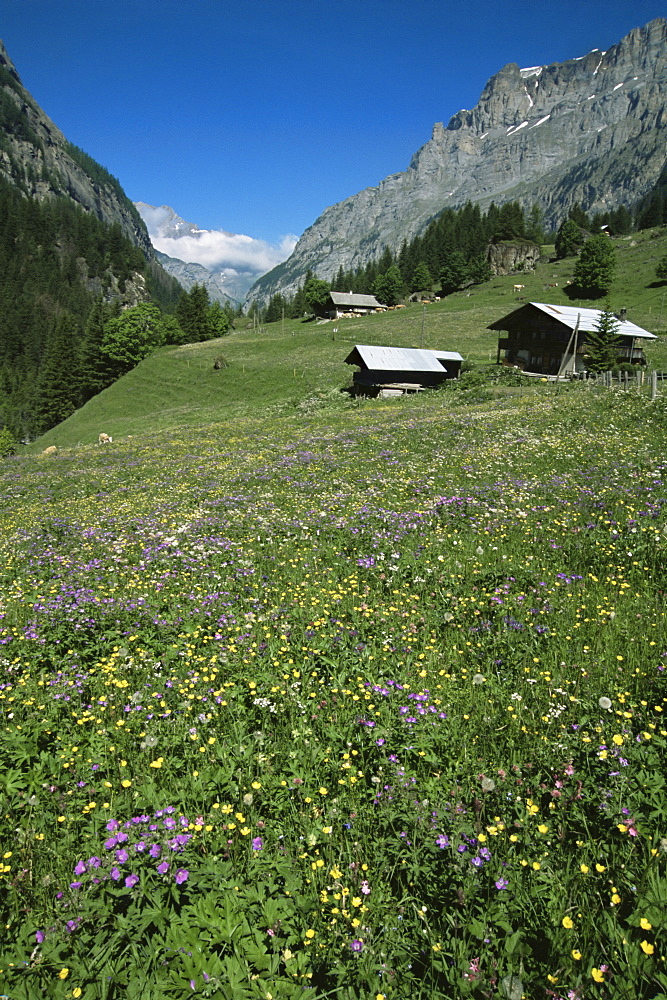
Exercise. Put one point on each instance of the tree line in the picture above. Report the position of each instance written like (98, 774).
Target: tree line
(451, 254)
(63, 334)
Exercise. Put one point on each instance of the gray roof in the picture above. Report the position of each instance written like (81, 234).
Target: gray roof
(405, 359)
(350, 299)
(448, 355)
(567, 315)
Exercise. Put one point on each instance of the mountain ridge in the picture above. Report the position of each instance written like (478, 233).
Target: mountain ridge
(37, 157)
(553, 135)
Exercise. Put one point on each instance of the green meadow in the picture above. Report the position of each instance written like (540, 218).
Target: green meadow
(279, 367)
(305, 696)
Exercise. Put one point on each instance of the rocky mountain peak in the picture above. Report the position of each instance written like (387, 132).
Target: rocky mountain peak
(588, 130)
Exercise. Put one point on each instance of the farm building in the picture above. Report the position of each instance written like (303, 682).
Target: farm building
(349, 304)
(551, 340)
(393, 371)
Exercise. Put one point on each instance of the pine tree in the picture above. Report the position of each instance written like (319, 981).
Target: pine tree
(454, 273)
(219, 322)
(595, 267)
(511, 224)
(59, 384)
(569, 239)
(192, 313)
(95, 372)
(421, 278)
(602, 343)
(389, 288)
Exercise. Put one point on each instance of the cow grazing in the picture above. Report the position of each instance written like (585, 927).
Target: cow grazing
(105, 439)
(51, 450)
(518, 288)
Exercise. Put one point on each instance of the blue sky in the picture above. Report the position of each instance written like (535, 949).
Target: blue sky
(253, 116)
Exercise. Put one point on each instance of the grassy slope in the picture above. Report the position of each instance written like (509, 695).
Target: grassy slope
(278, 366)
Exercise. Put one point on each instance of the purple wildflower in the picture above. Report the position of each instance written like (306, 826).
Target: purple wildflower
(181, 876)
(257, 844)
(131, 880)
(163, 867)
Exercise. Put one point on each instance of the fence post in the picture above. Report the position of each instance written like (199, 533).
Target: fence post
(638, 378)
(654, 385)
(625, 380)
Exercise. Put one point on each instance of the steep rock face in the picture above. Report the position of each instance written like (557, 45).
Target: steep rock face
(189, 275)
(36, 157)
(589, 130)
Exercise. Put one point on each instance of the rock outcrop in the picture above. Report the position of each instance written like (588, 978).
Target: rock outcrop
(509, 257)
(590, 130)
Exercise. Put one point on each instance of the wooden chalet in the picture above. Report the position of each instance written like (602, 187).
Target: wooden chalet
(394, 371)
(350, 304)
(551, 340)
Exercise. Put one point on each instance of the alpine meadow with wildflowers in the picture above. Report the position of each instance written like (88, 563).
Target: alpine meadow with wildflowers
(353, 703)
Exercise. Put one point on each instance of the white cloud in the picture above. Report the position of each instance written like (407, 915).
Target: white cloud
(213, 248)
(218, 251)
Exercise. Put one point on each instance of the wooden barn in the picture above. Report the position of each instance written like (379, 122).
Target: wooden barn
(551, 340)
(393, 371)
(349, 304)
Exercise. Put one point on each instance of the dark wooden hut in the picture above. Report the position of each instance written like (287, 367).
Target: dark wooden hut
(392, 371)
(551, 340)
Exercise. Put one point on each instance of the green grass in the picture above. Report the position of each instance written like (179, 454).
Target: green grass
(271, 370)
(396, 676)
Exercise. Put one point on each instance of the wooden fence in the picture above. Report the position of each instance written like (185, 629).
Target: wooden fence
(628, 380)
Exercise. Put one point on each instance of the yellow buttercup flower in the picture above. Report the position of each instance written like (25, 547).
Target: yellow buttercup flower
(645, 925)
(64, 973)
(597, 975)
(647, 948)
(576, 954)
(567, 923)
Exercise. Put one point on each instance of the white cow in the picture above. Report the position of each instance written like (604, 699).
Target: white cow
(105, 439)
(518, 288)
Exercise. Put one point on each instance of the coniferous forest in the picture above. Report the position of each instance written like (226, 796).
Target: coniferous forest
(451, 253)
(61, 269)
